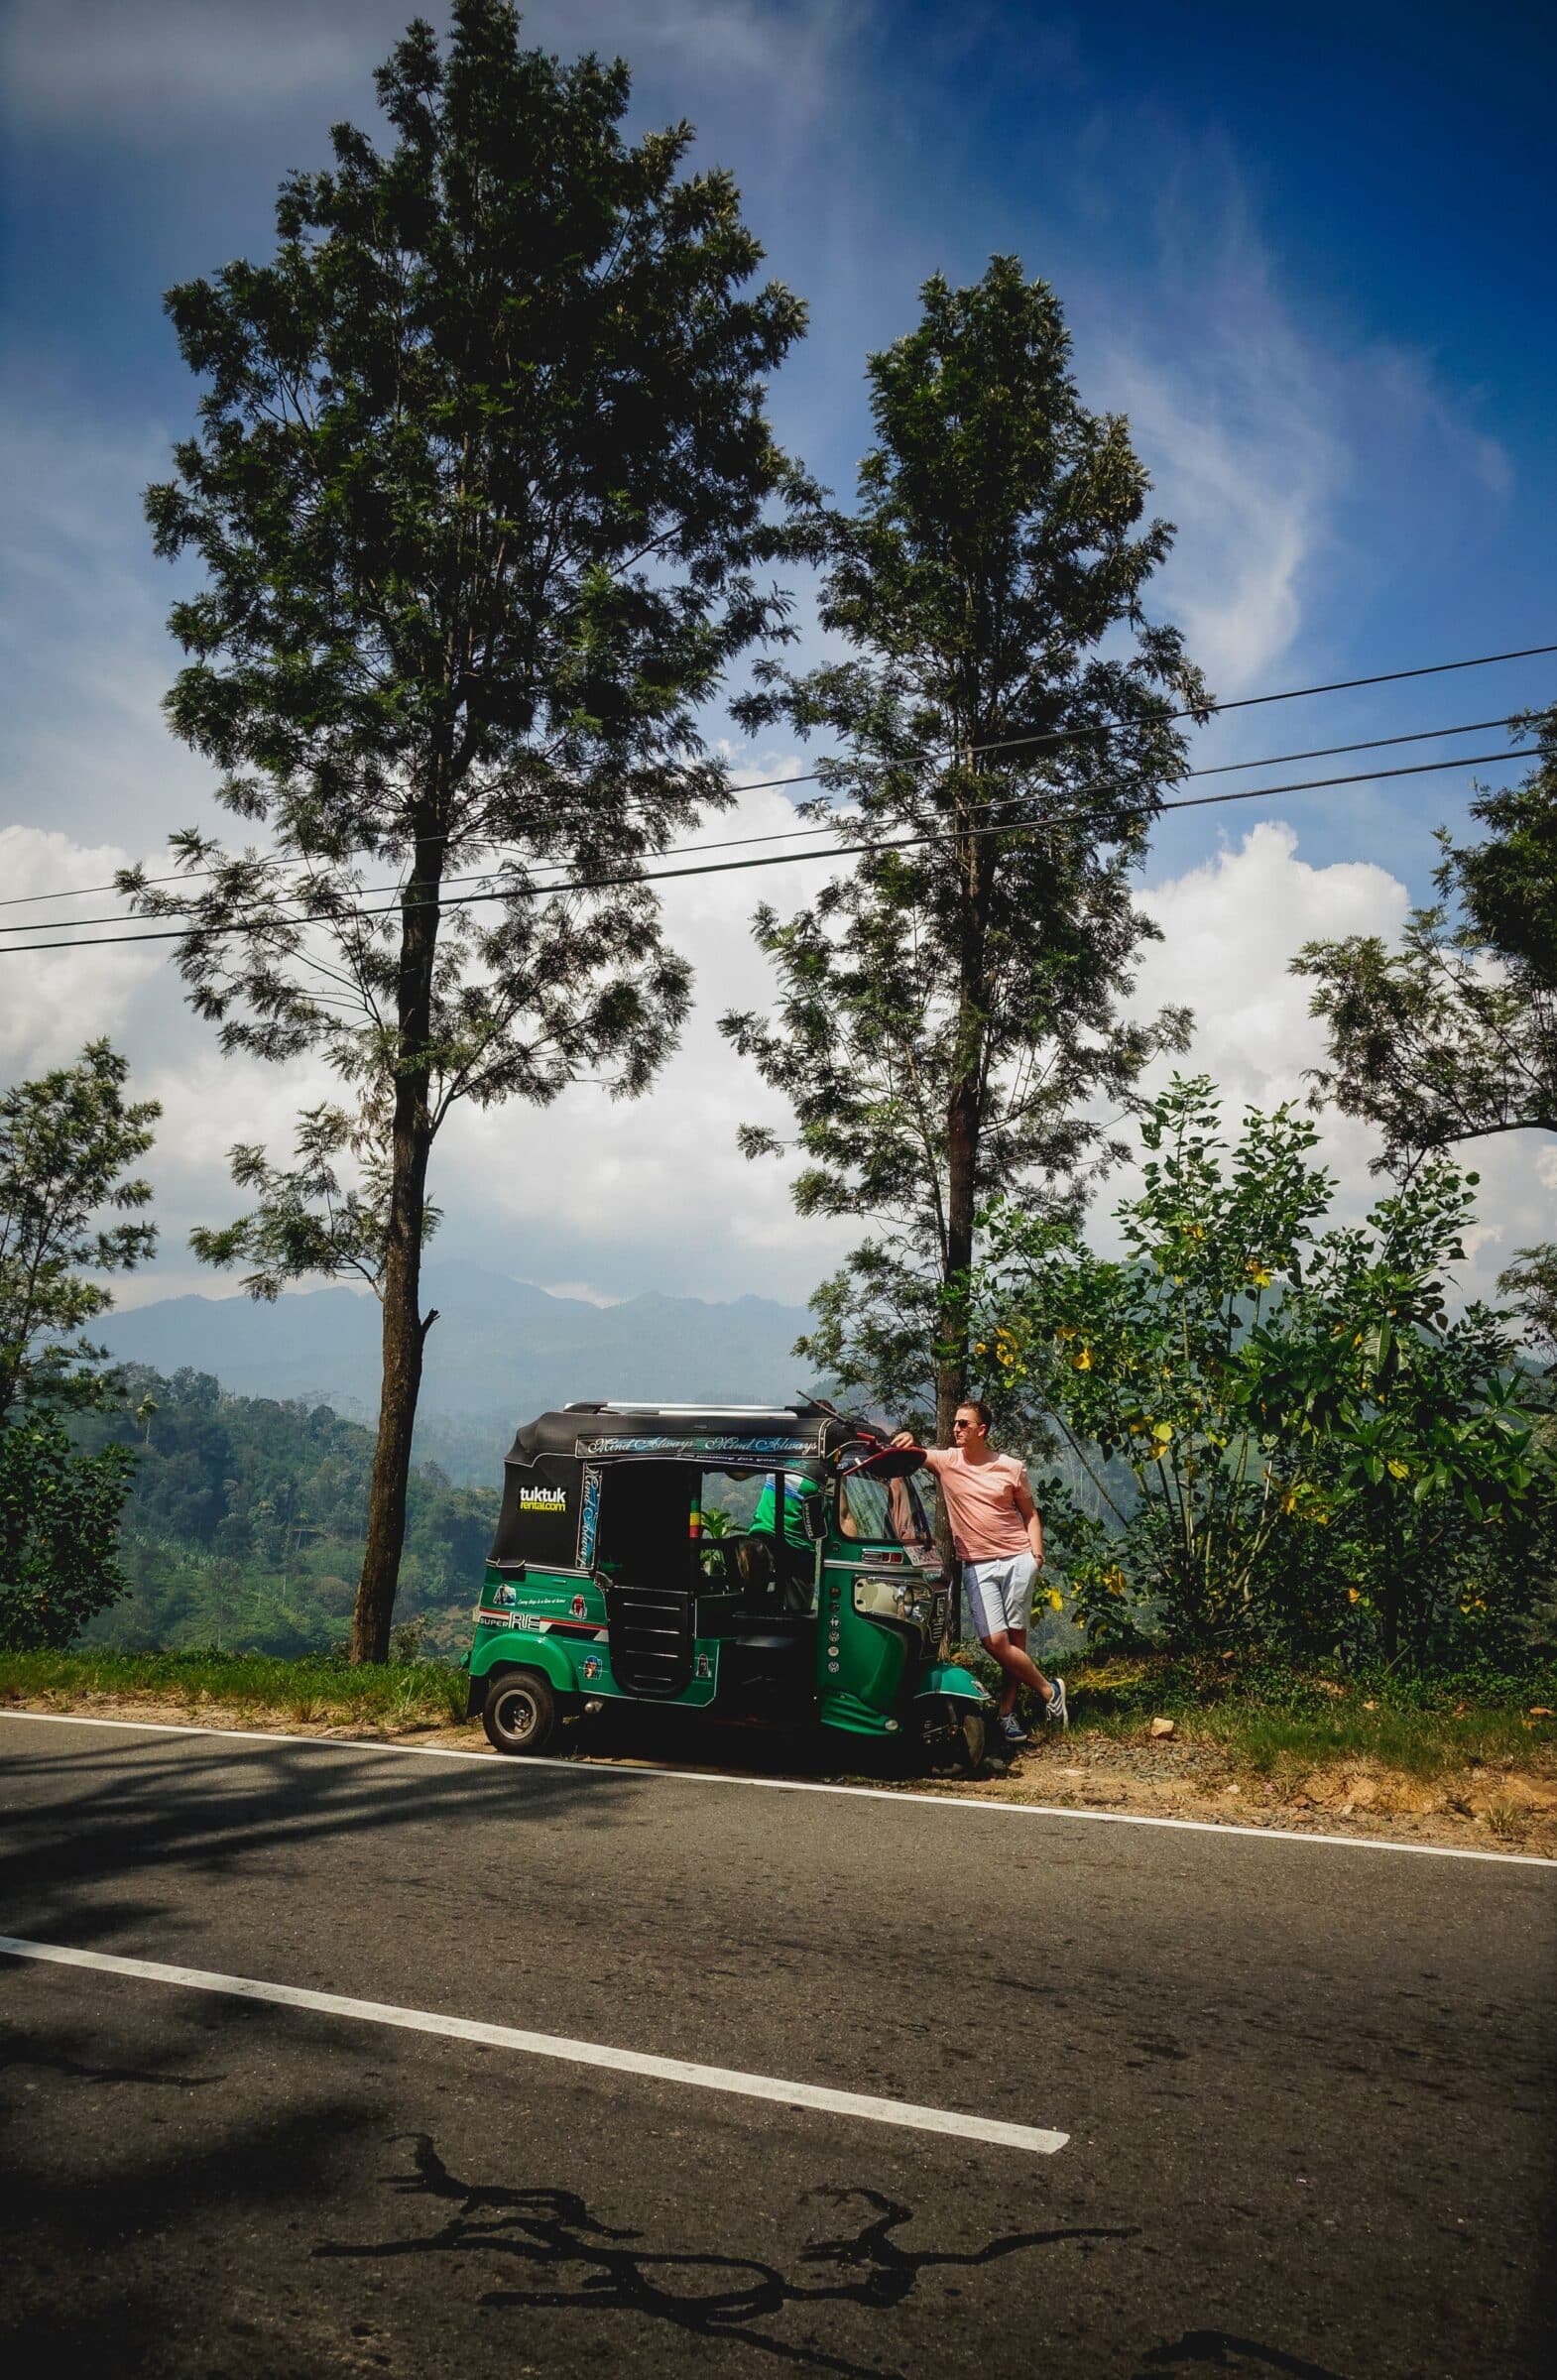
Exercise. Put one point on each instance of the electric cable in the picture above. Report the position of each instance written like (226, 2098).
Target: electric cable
(1039, 821)
(1057, 735)
(1282, 759)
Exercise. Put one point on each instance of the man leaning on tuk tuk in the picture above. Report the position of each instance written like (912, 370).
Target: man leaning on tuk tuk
(996, 1531)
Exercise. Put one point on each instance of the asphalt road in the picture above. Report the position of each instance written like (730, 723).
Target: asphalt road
(1309, 2090)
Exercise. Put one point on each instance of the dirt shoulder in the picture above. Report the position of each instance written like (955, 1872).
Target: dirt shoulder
(1482, 1806)
(1496, 1805)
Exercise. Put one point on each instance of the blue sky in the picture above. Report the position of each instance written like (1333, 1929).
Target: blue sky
(1309, 252)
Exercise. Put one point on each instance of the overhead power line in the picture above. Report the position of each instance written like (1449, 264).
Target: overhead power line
(1033, 820)
(824, 826)
(1057, 735)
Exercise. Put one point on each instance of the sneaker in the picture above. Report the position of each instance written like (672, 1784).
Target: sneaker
(1057, 1708)
(1011, 1730)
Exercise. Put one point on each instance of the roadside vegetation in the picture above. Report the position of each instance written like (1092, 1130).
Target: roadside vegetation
(244, 1522)
(203, 1684)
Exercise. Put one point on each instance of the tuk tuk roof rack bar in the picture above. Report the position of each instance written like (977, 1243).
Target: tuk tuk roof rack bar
(702, 1411)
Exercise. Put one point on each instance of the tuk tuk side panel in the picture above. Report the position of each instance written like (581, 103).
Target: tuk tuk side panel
(543, 1620)
(861, 1663)
(559, 1625)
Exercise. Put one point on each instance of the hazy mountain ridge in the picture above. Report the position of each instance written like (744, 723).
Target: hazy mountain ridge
(500, 1350)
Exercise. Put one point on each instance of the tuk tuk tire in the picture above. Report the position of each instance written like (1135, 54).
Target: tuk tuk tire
(519, 1714)
(968, 1738)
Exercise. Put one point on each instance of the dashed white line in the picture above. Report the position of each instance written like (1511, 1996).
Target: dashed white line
(859, 2106)
(596, 1767)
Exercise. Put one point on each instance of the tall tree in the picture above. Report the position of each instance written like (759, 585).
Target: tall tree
(69, 1207)
(1453, 1036)
(482, 481)
(949, 1010)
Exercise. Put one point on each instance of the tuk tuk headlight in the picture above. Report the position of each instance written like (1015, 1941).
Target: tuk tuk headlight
(914, 1601)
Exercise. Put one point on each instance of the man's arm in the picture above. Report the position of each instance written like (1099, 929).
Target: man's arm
(934, 1456)
(1034, 1518)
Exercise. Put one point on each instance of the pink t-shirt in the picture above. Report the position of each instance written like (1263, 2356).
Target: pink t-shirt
(981, 1503)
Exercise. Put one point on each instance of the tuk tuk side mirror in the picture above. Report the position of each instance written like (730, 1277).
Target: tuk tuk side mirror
(814, 1517)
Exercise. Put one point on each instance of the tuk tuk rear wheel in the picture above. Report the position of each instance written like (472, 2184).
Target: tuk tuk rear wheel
(520, 1712)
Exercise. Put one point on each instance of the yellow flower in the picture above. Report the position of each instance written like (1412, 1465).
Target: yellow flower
(1082, 1359)
(1056, 1601)
(1396, 1469)
(1353, 1595)
(1259, 1275)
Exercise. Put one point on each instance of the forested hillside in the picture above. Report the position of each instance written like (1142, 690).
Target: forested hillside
(244, 1524)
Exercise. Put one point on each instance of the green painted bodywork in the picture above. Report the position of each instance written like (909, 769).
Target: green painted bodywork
(945, 1678)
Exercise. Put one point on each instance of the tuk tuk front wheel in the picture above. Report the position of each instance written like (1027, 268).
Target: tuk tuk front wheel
(951, 1736)
(519, 1713)
(968, 1741)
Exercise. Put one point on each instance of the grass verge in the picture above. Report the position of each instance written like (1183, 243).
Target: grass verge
(314, 1692)
(1269, 1719)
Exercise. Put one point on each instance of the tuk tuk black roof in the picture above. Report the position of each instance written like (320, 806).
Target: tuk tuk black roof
(750, 1434)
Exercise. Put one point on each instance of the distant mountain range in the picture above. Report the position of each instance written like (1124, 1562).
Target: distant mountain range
(500, 1352)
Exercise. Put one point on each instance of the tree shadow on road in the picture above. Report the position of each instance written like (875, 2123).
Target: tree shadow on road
(77, 1819)
(583, 2265)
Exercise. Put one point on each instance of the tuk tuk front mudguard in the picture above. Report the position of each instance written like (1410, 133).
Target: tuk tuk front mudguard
(944, 1680)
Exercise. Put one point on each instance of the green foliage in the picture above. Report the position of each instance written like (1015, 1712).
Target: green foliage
(58, 1530)
(1414, 1423)
(1324, 1455)
(244, 1524)
(309, 1219)
(66, 1144)
(313, 1690)
(948, 1014)
(1453, 1036)
(1530, 1283)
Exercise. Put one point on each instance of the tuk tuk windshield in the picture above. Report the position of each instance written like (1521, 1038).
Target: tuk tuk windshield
(889, 1512)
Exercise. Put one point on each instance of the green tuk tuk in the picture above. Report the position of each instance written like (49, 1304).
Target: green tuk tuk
(776, 1564)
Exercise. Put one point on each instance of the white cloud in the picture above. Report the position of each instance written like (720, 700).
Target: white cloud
(1231, 928)
(1266, 430)
(83, 639)
(51, 1003)
(142, 70)
(663, 1176)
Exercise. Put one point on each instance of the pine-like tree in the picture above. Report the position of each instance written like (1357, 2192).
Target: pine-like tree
(482, 484)
(950, 1020)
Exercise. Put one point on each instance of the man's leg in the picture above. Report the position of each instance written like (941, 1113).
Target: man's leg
(1019, 1671)
(1018, 1639)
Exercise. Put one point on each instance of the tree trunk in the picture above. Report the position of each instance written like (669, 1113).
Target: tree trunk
(1392, 1592)
(403, 1333)
(405, 1326)
(964, 1122)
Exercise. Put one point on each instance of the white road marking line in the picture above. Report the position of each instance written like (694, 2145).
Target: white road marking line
(596, 1767)
(859, 2105)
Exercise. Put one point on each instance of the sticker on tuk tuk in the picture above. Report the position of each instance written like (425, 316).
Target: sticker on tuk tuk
(591, 1669)
(705, 1668)
(579, 1606)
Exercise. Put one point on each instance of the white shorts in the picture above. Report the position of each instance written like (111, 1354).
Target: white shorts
(999, 1593)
